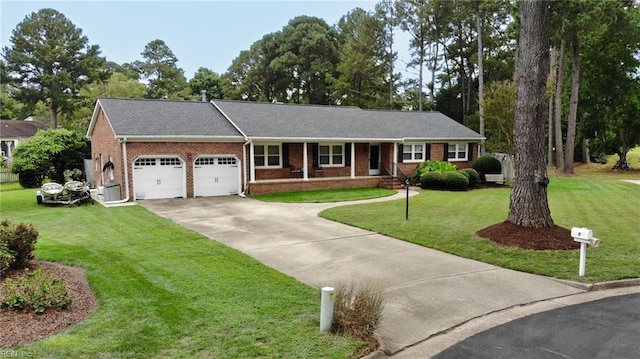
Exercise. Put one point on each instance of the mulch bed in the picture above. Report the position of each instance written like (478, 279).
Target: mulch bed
(22, 327)
(545, 238)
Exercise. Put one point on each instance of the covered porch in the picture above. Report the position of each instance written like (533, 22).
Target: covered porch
(303, 166)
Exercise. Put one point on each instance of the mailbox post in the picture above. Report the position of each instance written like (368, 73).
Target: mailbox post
(584, 236)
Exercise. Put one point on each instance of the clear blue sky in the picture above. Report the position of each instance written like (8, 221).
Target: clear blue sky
(204, 33)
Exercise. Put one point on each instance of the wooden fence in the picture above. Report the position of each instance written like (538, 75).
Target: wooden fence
(7, 177)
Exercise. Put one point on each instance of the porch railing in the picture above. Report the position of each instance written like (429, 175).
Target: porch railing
(402, 177)
(386, 175)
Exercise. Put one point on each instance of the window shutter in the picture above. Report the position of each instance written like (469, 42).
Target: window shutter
(314, 154)
(347, 154)
(470, 149)
(400, 153)
(446, 152)
(427, 151)
(285, 155)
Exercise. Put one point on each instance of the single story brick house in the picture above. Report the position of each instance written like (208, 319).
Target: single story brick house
(167, 149)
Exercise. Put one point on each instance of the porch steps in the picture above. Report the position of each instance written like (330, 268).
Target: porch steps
(395, 184)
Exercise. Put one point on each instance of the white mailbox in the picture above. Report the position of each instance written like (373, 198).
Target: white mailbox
(581, 234)
(585, 237)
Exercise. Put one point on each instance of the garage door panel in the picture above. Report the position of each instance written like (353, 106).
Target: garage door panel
(158, 178)
(215, 176)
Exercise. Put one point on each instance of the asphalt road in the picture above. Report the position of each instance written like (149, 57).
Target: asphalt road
(605, 328)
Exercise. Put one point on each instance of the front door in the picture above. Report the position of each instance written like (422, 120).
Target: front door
(374, 160)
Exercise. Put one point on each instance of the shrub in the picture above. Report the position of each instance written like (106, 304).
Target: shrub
(455, 180)
(487, 164)
(431, 180)
(357, 310)
(474, 177)
(432, 166)
(37, 291)
(20, 240)
(6, 258)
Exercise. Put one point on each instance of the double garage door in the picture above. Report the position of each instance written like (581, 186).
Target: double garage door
(164, 177)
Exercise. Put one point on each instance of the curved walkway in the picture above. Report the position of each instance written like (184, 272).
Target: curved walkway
(428, 292)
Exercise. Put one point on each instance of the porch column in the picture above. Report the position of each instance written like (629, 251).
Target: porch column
(252, 165)
(353, 160)
(305, 165)
(394, 159)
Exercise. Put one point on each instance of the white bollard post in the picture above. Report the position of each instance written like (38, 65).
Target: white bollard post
(326, 309)
(583, 259)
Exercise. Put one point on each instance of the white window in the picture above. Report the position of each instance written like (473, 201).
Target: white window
(413, 152)
(266, 155)
(457, 151)
(331, 154)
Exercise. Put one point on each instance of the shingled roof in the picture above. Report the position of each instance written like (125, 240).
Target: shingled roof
(162, 118)
(271, 121)
(264, 120)
(20, 129)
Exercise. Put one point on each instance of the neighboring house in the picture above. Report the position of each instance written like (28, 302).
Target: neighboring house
(14, 132)
(167, 149)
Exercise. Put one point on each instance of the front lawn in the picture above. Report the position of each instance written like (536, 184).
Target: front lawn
(326, 196)
(168, 292)
(447, 221)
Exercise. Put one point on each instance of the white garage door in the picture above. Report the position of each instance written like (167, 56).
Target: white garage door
(158, 178)
(215, 176)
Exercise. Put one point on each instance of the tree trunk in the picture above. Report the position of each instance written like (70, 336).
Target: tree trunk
(586, 157)
(529, 205)
(552, 82)
(558, 103)
(573, 105)
(480, 78)
(53, 112)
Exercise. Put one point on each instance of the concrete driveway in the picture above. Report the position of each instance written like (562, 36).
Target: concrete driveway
(428, 292)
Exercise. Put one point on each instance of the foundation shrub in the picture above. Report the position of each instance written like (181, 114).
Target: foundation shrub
(487, 165)
(432, 166)
(455, 180)
(474, 176)
(432, 180)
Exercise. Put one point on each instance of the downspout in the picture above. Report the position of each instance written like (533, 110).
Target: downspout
(126, 174)
(244, 146)
(243, 194)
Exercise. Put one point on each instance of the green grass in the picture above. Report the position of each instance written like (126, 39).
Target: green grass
(447, 221)
(325, 196)
(10, 186)
(165, 291)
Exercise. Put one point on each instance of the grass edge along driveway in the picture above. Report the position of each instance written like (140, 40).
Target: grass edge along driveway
(447, 221)
(165, 291)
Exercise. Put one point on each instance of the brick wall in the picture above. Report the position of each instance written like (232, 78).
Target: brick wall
(105, 146)
(268, 187)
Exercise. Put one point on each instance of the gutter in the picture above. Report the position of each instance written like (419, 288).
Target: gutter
(126, 175)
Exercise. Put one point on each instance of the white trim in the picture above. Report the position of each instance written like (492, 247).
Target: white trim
(182, 138)
(266, 155)
(230, 121)
(305, 162)
(331, 146)
(456, 158)
(413, 152)
(353, 160)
